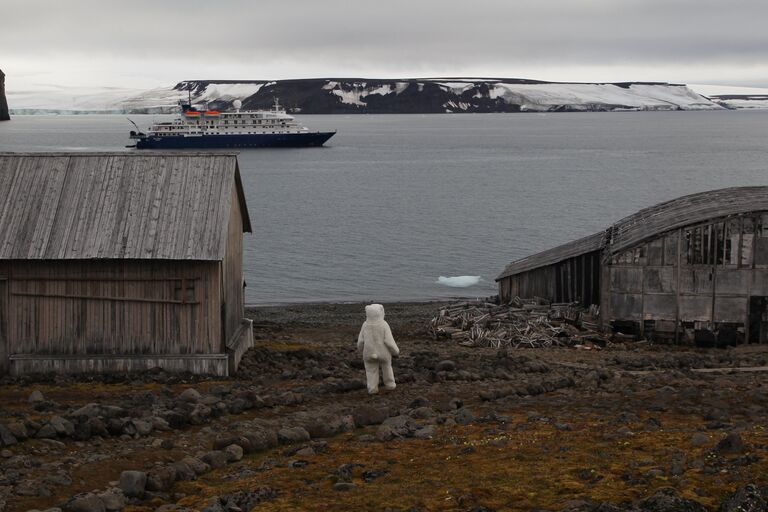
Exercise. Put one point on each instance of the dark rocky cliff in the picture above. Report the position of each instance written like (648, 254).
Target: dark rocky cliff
(4, 115)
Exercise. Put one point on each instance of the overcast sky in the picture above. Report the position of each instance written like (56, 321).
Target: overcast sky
(149, 43)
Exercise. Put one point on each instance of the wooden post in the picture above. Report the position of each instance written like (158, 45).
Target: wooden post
(677, 285)
(5, 349)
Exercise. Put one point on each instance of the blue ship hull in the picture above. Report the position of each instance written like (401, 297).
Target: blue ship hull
(264, 140)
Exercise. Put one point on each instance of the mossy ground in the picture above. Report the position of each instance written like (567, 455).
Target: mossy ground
(521, 464)
(524, 465)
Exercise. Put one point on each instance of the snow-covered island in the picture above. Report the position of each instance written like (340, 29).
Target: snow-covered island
(390, 96)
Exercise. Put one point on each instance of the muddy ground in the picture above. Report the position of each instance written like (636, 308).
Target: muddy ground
(631, 427)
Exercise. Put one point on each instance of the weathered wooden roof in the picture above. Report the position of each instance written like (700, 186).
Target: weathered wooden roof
(148, 205)
(556, 254)
(685, 211)
(651, 222)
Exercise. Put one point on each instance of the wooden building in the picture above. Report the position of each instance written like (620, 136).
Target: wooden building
(121, 261)
(694, 268)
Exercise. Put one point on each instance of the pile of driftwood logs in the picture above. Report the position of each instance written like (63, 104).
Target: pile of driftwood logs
(523, 323)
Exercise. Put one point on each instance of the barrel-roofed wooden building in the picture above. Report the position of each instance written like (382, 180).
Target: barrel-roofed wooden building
(121, 261)
(693, 268)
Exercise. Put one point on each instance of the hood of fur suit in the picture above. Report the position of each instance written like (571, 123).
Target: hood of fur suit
(374, 313)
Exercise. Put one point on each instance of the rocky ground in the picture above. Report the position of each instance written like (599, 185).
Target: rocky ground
(632, 427)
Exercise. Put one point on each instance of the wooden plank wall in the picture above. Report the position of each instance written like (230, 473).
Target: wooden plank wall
(574, 279)
(680, 280)
(215, 364)
(113, 307)
(234, 307)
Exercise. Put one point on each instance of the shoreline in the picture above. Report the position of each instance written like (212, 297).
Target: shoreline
(351, 302)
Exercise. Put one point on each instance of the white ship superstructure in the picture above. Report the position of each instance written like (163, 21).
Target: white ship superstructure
(236, 129)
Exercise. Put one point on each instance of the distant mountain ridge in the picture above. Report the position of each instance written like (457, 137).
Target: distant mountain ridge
(403, 95)
(422, 96)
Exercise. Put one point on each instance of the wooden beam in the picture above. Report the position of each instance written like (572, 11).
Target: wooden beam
(91, 297)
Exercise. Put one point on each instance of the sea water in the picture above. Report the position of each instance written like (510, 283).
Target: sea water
(393, 202)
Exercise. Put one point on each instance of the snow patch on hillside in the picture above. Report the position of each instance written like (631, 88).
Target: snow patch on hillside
(734, 96)
(229, 92)
(166, 99)
(728, 90)
(54, 98)
(350, 97)
(543, 97)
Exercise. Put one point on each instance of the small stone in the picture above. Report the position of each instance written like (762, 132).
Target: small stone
(47, 431)
(63, 426)
(85, 502)
(133, 483)
(343, 486)
(464, 416)
(190, 395)
(113, 500)
(36, 397)
(89, 411)
(396, 427)
(423, 413)
(196, 465)
(161, 478)
(6, 436)
(427, 432)
(143, 427)
(365, 415)
(183, 471)
(18, 429)
(234, 453)
(445, 366)
(215, 459)
(293, 435)
(159, 424)
(668, 498)
(6, 454)
(747, 499)
(418, 402)
(699, 439)
(732, 443)
(262, 439)
(307, 451)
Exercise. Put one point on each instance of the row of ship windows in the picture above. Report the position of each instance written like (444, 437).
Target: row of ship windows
(241, 122)
(185, 128)
(219, 133)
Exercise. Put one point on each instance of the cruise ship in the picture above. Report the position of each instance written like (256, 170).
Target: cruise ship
(272, 128)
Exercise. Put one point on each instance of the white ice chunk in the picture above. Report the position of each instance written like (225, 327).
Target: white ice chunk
(459, 281)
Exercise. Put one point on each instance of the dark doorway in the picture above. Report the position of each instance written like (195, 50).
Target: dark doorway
(758, 319)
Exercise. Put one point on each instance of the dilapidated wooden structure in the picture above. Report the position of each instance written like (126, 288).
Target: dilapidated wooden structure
(693, 268)
(121, 262)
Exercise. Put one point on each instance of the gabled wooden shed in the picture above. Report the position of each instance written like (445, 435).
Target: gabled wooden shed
(121, 262)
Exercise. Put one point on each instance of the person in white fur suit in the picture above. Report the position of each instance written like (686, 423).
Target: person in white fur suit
(378, 347)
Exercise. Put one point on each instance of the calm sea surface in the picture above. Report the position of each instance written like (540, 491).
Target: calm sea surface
(395, 201)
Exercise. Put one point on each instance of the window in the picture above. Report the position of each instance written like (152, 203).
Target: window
(747, 241)
(184, 290)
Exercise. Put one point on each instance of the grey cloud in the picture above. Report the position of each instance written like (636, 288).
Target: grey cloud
(393, 34)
